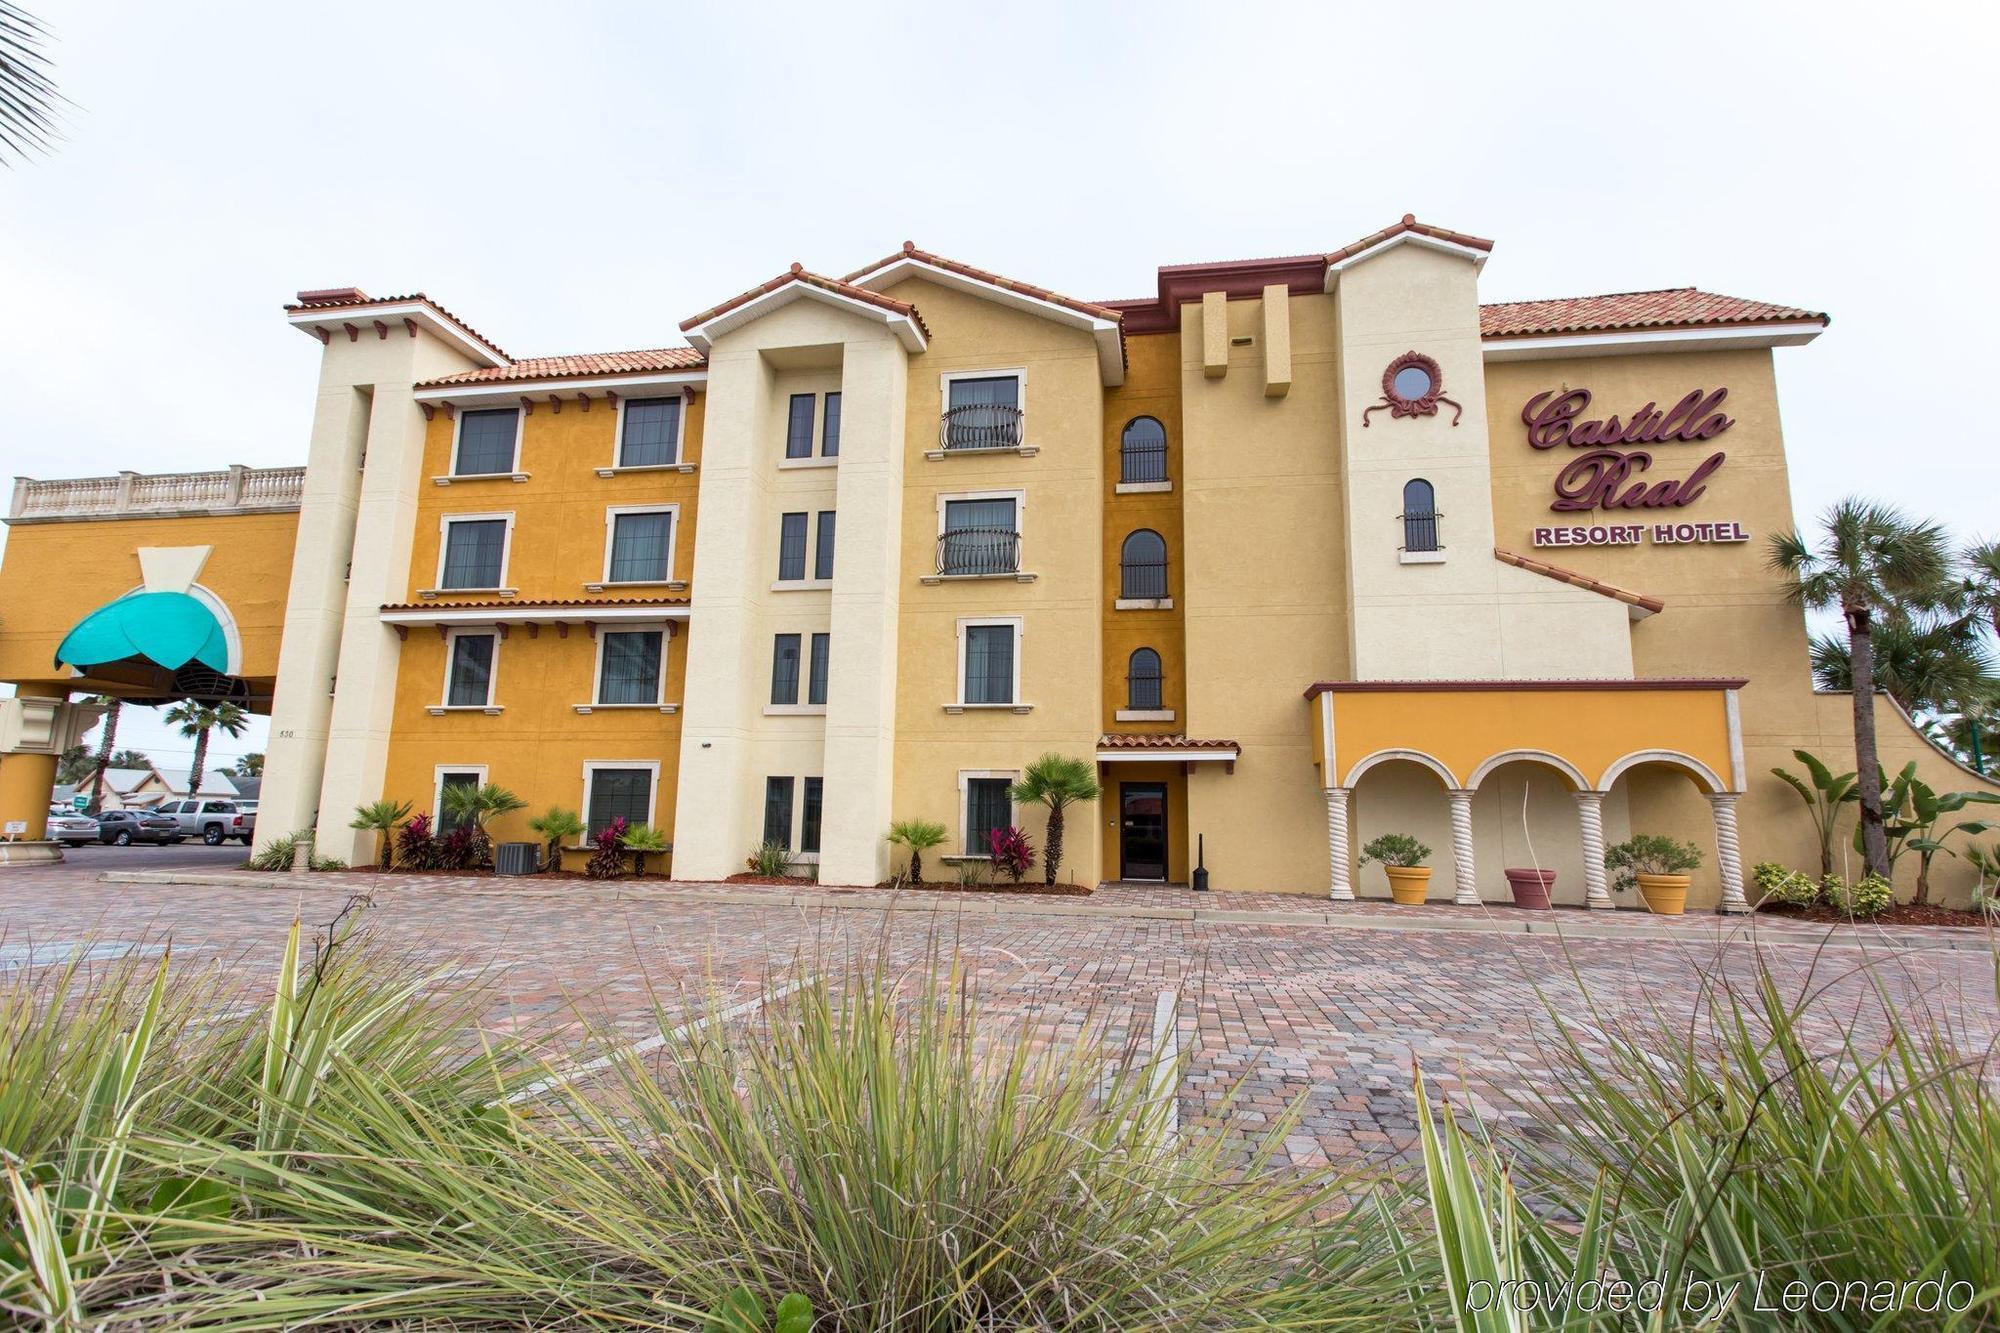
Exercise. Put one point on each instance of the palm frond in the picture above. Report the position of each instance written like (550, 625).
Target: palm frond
(30, 105)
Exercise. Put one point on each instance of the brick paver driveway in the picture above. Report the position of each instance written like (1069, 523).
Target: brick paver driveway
(1266, 1012)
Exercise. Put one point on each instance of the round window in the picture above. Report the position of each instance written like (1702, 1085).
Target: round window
(1413, 383)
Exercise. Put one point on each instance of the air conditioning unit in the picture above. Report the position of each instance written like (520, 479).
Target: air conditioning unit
(517, 858)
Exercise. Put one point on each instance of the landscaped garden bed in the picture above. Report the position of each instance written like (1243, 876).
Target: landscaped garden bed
(1902, 914)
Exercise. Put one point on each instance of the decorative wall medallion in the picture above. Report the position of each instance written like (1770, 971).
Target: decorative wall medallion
(1413, 386)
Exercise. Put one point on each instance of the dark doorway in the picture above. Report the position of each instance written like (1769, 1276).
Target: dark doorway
(1142, 830)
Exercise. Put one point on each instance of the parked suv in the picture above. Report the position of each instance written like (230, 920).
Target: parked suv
(125, 827)
(71, 828)
(213, 821)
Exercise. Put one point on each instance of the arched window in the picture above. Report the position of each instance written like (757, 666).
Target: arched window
(1142, 565)
(1142, 451)
(1420, 516)
(1143, 680)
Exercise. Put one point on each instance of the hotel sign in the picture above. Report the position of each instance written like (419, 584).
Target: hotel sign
(1611, 477)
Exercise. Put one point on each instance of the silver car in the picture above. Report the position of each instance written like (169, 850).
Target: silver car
(71, 828)
(212, 820)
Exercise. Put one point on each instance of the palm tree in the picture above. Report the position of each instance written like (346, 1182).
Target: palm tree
(1930, 665)
(919, 835)
(381, 817)
(250, 765)
(556, 824)
(104, 750)
(1981, 588)
(1056, 781)
(196, 720)
(28, 96)
(1869, 560)
(131, 759)
(642, 840)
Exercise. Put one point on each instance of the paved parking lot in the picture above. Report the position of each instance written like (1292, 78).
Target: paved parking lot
(1266, 1012)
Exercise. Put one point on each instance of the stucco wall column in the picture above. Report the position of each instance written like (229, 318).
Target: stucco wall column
(1342, 889)
(1728, 853)
(1461, 848)
(1590, 819)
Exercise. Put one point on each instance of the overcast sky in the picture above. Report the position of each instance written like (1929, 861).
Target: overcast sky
(580, 177)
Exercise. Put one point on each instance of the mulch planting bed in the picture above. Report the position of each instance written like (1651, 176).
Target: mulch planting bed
(1902, 914)
(1032, 890)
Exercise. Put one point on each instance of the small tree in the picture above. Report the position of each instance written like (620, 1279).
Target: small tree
(1056, 781)
(1649, 854)
(196, 721)
(1823, 800)
(919, 835)
(381, 817)
(556, 824)
(643, 840)
(1395, 849)
(472, 806)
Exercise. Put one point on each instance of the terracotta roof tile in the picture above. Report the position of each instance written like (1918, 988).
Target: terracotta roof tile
(798, 273)
(1157, 742)
(534, 604)
(910, 251)
(1650, 605)
(351, 298)
(586, 364)
(1408, 224)
(1668, 308)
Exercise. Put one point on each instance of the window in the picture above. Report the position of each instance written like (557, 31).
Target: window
(791, 547)
(829, 432)
(785, 670)
(980, 536)
(809, 807)
(628, 668)
(799, 428)
(617, 791)
(469, 674)
(641, 546)
(823, 553)
(1142, 451)
(1420, 516)
(650, 433)
(982, 412)
(486, 441)
(447, 778)
(217, 808)
(778, 811)
(1142, 566)
(988, 669)
(1143, 680)
(475, 553)
(989, 805)
(816, 682)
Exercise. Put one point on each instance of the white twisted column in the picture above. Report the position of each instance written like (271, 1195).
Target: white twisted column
(1461, 848)
(1728, 852)
(1590, 817)
(1342, 890)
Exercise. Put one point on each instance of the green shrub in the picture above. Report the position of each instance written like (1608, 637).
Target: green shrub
(972, 871)
(1649, 854)
(1791, 888)
(277, 854)
(1870, 896)
(919, 835)
(1395, 849)
(607, 861)
(1986, 902)
(771, 859)
(643, 840)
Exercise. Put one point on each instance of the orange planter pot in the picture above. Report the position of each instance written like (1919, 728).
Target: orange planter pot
(1409, 885)
(1665, 895)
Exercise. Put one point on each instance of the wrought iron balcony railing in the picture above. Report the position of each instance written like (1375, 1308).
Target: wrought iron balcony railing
(980, 426)
(974, 551)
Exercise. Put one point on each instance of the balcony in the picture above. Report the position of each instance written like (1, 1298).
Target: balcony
(977, 428)
(234, 490)
(979, 553)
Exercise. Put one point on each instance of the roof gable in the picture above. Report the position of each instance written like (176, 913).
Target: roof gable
(1407, 232)
(794, 284)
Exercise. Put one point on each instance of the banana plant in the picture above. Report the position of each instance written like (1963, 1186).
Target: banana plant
(1927, 808)
(1824, 798)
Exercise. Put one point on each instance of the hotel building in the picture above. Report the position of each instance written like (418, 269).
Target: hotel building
(1297, 551)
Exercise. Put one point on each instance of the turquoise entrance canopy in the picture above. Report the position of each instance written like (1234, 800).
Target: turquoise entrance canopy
(169, 628)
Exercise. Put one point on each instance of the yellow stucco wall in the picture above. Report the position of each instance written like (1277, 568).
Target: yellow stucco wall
(1152, 388)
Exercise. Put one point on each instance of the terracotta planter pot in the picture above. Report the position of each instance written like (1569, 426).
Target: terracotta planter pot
(1531, 887)
(1665, 895)
(1409, 885)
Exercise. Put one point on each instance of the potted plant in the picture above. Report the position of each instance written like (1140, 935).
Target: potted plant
(643, 840)
(1658, 865)
(1402, 858)
(1531, 887)
(919, 835)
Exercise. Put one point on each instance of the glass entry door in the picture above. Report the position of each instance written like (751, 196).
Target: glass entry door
(1142, 830)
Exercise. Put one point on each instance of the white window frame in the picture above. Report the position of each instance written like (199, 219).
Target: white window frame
(590, 767)
(513, 472)
(451, 638)
(680, 435)
(1018, 496)
(805, 675)
(444, 546)
(818, 456)
(437, 788)
(1020, 376)
(965, 777)
(965, 623)
(611, 513)
(604, 631)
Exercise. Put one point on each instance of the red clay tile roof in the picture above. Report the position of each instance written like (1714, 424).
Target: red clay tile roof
(910, 251)
(333, 299)
(587, 364)
(534, 604)
(1408, 224)
(1669, 308)
(1650, 605)
(1155, 742)
(798, 273)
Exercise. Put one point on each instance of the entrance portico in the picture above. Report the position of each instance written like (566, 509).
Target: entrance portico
(1584, 735)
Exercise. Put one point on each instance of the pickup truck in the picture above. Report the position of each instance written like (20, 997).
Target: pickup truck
(212, 820)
